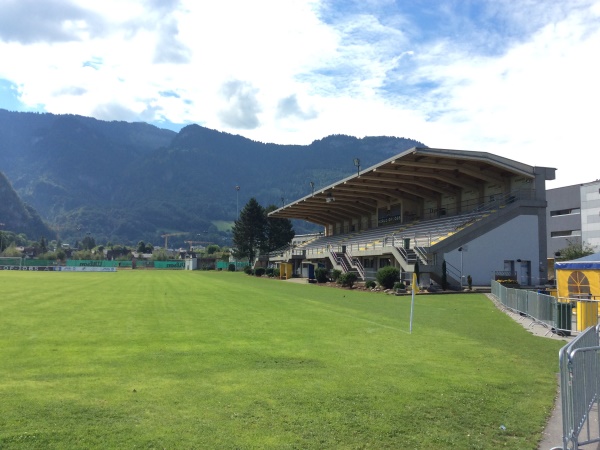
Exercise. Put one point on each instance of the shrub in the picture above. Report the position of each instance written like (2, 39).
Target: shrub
(469, 282)
(507, 282)
(269, 272)
(231, 267)
(321, 275)
(275, 273)
(259, 271)
(335, 274)
(248, 270)
(387, 276)
(399, 285)
(370, 284)
(347, 279)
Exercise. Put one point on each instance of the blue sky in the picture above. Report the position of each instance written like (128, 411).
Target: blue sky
(515, 78)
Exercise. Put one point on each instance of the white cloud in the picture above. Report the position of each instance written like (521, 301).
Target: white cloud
(535, 104)
(514, 78)
(242, 105)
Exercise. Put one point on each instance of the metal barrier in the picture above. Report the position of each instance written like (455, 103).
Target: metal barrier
(579, 387)
(540, 308)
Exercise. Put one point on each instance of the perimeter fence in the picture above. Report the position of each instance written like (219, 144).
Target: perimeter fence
(49, 265)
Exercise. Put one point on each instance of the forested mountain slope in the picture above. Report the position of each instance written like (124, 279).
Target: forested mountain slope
(129, 181)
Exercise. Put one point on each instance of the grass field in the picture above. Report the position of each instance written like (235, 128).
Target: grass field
(219, 360)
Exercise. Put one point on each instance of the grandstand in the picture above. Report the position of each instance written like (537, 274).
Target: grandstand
(480, 213)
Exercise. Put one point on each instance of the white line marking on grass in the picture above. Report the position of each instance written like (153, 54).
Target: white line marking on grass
(357, 318)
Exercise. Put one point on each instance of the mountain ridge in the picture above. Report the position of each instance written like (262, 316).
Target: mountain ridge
(124, 181)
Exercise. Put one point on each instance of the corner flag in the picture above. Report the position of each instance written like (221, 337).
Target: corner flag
(415, 283)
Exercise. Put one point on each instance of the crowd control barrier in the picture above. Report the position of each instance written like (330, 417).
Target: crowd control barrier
(580, 389)
(539, 307)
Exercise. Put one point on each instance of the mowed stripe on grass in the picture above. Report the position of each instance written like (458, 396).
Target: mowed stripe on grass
(178, 359)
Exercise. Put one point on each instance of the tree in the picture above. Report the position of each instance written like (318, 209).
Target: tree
(43, 245)
(279, 232)
(212, 249)
(574, 250)
(160, 255)
(61, 255)
(12, 251)
(249, 231)
(444, 276)
(141, 247)
(88, 243)
(417, 271)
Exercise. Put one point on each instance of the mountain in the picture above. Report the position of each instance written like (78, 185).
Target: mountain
(16, 215)
(126, 182)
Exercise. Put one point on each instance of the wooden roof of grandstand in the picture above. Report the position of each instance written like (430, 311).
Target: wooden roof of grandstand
(418, 172)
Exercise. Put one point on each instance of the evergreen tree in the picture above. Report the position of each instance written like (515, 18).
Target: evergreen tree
(279, 231)
(249, 231)
(444, 276)
(43, 245)
(88, 243)
(417, 271)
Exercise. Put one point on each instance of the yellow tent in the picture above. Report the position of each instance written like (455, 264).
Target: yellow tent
(580, 280)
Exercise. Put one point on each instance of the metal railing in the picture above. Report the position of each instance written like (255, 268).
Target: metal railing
(453, 271)
(580, 389)
(423, 255)
(355, 262)
(339, 260)
(423, 239)
(540, 308)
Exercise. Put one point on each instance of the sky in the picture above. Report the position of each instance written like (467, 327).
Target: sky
(519, 79)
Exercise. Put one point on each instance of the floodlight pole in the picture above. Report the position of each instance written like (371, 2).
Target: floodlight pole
(312, 188)
(357, 164)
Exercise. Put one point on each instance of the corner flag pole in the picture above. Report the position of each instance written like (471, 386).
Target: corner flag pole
(415, 289)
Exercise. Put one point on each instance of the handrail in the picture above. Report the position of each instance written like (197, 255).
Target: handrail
(356, 264)
(423, 255)
(453, 271)
(339, 260)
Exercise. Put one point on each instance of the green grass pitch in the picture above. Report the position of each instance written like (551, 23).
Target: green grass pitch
(219, 360)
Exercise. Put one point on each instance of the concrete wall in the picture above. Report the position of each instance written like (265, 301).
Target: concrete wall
(483, 256)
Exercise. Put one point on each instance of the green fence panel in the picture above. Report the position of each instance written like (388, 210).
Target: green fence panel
(224, 265)
(40, 262)
(92, 263)
(178, 264)
(11, 261)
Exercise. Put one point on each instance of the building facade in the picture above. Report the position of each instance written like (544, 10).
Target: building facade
(573, 217)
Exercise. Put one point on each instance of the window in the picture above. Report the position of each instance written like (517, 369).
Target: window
(564, 233)
(564, 212)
